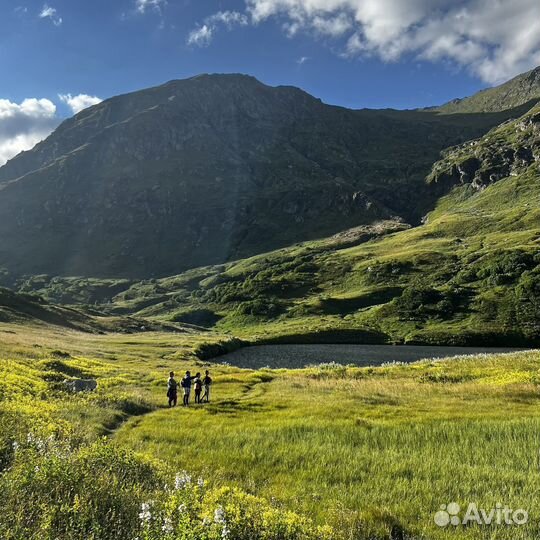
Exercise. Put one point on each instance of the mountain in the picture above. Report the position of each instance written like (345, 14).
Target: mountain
(470, 275)
(521, 90)
(211, 169)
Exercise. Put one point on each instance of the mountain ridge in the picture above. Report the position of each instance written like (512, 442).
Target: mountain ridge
(211, 169)
(517, 91)
(469, 276)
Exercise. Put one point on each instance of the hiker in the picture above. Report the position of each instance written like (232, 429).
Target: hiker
(172, 390)
(186, 385)
(207, 382)
(198, 388)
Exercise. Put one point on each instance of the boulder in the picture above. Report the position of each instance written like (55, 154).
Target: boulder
(80, 385)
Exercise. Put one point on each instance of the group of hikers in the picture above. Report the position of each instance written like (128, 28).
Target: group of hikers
(199, 383)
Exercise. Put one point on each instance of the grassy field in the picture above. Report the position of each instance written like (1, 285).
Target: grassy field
(62, 475)
(370, 449)
(373, 452)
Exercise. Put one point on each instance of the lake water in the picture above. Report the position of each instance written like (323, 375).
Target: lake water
(297, 356)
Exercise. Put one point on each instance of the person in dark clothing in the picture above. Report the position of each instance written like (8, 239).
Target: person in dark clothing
(186, 385)
(207, 382)
(172, 390)
(198, 388)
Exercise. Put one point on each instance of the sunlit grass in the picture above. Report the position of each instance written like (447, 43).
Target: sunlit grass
(373, 446)
(364, 449)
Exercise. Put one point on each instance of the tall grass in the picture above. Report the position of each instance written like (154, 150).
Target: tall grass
(371, 452)
(378, 450)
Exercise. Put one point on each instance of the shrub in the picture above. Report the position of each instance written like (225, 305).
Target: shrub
(387, 272)
(505, 267)
(199, 317)
(53, 492)
(260, 307)
(99, 492)
(528, 304)
(414, 300)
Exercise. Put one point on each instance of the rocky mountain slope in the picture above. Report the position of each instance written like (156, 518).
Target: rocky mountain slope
(523, 89)
(211, 169)
(507, 150)
(469, 275)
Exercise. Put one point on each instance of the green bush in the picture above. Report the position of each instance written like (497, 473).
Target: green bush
(505, 267)
(54, 493)
(99, 492)
(388, 272)
(199, 317)
(260, 307)
(528, 304)
(414, 301)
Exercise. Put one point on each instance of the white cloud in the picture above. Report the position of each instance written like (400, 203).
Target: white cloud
(48, 12)
(142, 6)
(302, 60)
(204, 34)
(201, 37)
(22, 125)
(228, 18)
(494, 39)
(79, 102)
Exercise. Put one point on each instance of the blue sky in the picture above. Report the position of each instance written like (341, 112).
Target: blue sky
(65, 54)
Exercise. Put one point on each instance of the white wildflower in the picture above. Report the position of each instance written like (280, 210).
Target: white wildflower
(145, 515)
(183, 479)
(182, 508)
(200, 482)
(167, 527)
(220, 519)
(15, 446)
(394, 363)
(219, 515)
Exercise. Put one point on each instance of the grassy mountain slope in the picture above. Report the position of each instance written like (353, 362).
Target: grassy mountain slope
(471, 274)
(523, 89)
(22, 308)
(211, 169)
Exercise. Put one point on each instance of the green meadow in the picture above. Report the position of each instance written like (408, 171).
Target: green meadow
(322, 452)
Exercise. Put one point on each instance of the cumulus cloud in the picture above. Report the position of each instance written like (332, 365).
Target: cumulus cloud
(48, 12)
(494, 39)
(203, 35)
(22, 125)
(79, 102)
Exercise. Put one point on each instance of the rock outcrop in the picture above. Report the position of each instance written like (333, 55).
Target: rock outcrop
(508, 150)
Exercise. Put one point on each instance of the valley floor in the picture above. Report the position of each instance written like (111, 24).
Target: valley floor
(374, 452)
